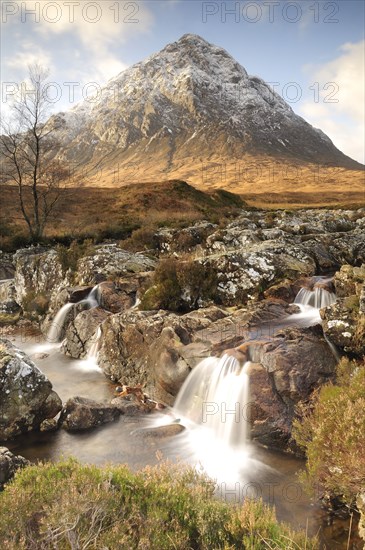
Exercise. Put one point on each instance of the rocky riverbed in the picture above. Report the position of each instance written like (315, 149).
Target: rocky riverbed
(232, 290)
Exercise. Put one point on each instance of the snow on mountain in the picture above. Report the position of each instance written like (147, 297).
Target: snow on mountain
(189, 100)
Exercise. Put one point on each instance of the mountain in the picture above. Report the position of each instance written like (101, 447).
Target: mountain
(191, 111)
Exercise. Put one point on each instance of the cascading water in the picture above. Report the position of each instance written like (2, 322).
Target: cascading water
(215, 396)
(55, 330)
(91, 360)
(318, 297)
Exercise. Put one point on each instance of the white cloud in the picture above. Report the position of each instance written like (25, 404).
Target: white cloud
(96, 29)
(339, 107)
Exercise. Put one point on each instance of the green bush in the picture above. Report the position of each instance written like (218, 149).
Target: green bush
(180, 285)
(332, 432)
(68, 505)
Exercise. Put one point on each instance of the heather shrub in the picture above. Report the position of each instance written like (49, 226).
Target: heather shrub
(332, 433)
(180, 285)
(68, 505)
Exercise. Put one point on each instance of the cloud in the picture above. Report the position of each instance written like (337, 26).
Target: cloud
(337, 104)
(96, 29)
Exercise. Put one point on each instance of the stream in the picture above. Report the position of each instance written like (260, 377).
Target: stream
(242, 471)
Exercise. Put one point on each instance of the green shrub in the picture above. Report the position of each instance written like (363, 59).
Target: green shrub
(180, 285)
(332, 432)
(68, 505)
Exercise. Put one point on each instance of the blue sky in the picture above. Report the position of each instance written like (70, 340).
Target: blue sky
(312, 50)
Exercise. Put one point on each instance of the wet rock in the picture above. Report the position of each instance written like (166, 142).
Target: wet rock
(9, 464)
(80, 332)
(26, 395)
(121, 294)
(50, 425)
(81, 413)
(286, 370)
(133, 342)
(159, 432)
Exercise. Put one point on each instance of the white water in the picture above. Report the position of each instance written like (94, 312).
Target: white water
(215, 397)
(318, 297)
(55, 330)
(91, 361)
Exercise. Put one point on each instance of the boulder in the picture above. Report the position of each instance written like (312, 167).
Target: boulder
(7, 268)
(109, 262)
(9, 464)
(80, 332)
(81, 413)
(38, 273)
(26, 395)
(286, 369)
(344, 325)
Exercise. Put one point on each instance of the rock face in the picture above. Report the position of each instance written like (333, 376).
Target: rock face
(26, 396)
(285, 371)
(7, 268)
(38, 272)
(81, 330)
(159, 349)
(258, 252)
(9, 464)
(344, 321)
(81, 413)
(110, 262)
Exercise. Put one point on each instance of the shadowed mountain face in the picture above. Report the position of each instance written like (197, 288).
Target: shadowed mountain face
(191, 111)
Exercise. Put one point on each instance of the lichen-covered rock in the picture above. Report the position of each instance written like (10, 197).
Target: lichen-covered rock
(7, 268)
(26, 395)
(38, 272)
(344, 325)
(9, 464)
(110, 262)
(344, 321)
(8, 303)
(80, 332)
(81, 413)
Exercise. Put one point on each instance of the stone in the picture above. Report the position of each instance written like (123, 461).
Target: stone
(81, 413)
(285, 370)
(81, 330)
(26, 395)
(38, 272)
(111, 262)
(9, 464)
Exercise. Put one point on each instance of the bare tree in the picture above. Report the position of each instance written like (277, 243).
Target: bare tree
(28, 152)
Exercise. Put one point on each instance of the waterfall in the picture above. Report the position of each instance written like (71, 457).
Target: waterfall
(215, 396)
(92, 354)
(318, 297)
(55, 330)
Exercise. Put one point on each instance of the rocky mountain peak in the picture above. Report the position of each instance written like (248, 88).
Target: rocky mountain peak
(182, 106)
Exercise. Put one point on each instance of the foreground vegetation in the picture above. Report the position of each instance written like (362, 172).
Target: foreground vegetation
(68, 505)
(332, 432)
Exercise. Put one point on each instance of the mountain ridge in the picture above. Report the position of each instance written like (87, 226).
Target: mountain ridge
(187, 107)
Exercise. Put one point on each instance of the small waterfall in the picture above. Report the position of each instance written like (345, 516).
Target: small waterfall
(318, 297)
(92, 354)
(55, 330)
(215, 396)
